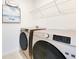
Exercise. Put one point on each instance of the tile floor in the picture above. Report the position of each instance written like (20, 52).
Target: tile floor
(14, 55)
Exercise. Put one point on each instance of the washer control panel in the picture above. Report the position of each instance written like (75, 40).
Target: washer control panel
(63, 39)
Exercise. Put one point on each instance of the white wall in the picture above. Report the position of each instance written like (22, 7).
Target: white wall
(33, 16)
(51, 17)
(59, 22)
(30, 16)
(10, 38)
(11, 31)
(26, 6)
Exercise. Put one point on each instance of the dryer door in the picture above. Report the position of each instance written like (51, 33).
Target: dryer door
(23, 41)
(45, 50)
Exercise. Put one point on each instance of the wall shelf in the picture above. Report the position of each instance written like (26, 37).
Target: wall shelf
(49, 5)
(53, 9)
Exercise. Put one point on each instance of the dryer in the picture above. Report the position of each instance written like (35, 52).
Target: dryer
(26, 39)
(24, 43)
(54, 44)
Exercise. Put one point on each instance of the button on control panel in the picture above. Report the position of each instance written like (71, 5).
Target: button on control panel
(69, 54)
(72, 55)
(66, 53)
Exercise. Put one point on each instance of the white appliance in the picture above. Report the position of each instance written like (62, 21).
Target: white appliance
(26, 37)
(24, 42)
(54, 44)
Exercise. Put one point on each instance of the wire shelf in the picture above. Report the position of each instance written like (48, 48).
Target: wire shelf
(54, 8)
(49, 5)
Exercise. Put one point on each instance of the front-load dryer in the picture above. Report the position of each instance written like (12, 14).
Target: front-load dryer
(54, 44)
(26, 38)
(24, 43)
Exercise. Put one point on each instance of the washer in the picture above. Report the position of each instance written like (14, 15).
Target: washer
(24, 42)
(54, 44)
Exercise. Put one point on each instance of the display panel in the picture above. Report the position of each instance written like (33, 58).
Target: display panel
(63, 39)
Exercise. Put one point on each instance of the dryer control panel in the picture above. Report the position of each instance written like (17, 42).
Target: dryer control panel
(63, 39)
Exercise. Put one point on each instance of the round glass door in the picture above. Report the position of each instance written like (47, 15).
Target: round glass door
(45, 50)
(23, 41)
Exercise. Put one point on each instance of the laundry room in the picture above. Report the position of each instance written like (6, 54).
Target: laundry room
(38, 29)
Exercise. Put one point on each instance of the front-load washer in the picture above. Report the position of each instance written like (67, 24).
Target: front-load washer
(24, 42)
(54, 44)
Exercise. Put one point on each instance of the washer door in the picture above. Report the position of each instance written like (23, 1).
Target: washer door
(23, 41)
(45, 50)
